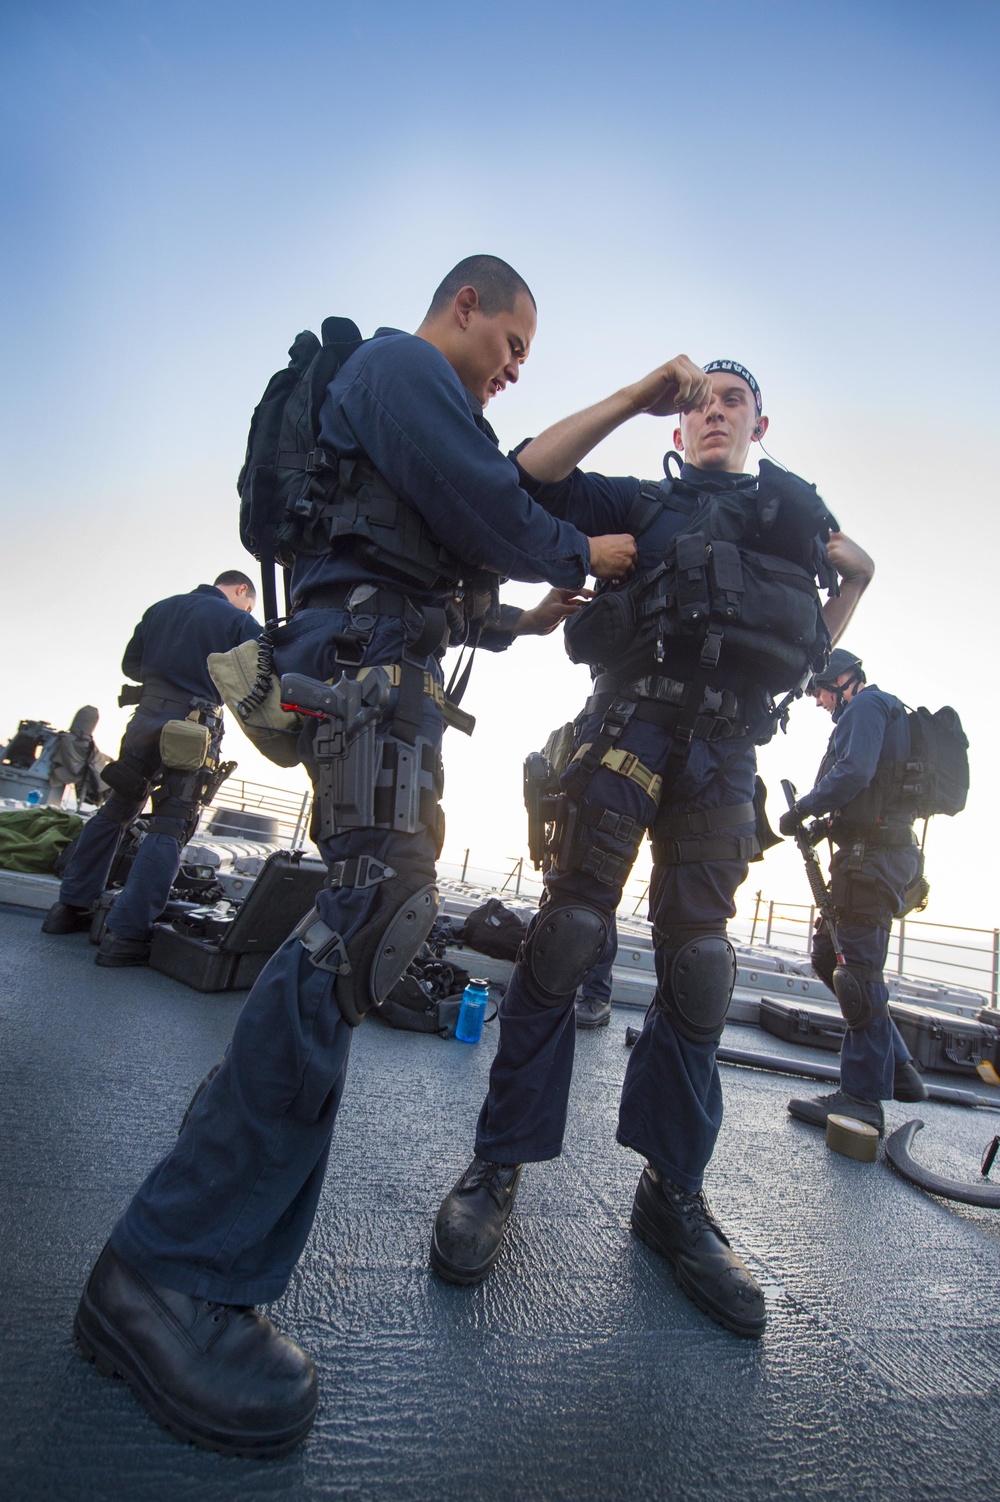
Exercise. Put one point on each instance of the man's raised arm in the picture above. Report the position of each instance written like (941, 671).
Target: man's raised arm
(678, 386)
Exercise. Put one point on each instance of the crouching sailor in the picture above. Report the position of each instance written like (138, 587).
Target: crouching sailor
(875, 875)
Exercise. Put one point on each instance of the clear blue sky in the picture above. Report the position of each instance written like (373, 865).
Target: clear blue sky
(810, 188)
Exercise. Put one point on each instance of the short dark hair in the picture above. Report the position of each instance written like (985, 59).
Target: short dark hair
(497, 285)
(232, 576)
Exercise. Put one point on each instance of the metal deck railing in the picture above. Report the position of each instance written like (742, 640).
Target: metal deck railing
(937, 953)
(924, 951)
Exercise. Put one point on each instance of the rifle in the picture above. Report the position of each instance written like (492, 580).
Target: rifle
(856, 1007)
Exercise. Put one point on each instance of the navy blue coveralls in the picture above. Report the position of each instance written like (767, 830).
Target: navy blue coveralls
(671, 1102)
(226, 1214)
(871, 869)
(167, 655)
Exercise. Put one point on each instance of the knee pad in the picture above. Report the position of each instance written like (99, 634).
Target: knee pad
(372, 960)
(702, 977)
(566, 940)
(851, 986)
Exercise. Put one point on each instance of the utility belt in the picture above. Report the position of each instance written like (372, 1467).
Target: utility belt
(881, 836)
(427, 625)
(188, 743)
(428, 632)
(668, 702)
(560, 821)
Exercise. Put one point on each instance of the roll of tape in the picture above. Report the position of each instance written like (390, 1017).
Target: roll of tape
(855, 1139)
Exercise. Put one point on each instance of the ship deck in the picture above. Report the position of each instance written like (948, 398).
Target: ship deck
(578, 1370)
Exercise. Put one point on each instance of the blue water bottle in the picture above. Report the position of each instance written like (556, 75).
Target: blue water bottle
(472, 1013)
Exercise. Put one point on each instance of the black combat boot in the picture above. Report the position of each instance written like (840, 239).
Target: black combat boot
(64, 918)
(816, 1109)
(217, 1375)
(906, 1082)
(680, 1225)
(116, 952)
(468, 1232)
(593, 1013)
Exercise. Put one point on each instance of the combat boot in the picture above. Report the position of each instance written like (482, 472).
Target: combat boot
(217, 1375)
(590, 1012)
(679, 1224)
(64, 918)
(906, 1082)
(816, 1109)
(468, 1231)
(115, 951)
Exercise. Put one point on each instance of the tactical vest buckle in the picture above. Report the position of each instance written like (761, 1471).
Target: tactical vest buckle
(316, 460)
(712, 648)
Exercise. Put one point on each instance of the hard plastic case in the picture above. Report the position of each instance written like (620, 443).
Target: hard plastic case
(233, 954)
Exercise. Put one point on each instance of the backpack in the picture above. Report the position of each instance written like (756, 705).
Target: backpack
(934, 779)
(494, 930)
(282, 457)
(298, 498)
(736, 586)
(939, 759)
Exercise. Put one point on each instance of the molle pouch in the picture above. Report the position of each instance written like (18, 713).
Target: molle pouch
(558, 749)
(603, 629)
(252, 693)
(184, 745)
(791, 513)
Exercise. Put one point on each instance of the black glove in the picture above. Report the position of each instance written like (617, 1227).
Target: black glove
(791, 821)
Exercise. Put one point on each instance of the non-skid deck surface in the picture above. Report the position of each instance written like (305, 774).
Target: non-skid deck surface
(577, 1370)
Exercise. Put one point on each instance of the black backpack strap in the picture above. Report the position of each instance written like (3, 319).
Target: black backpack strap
(652, 498)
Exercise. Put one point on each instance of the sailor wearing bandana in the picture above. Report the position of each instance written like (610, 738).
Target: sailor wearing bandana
(695, 799)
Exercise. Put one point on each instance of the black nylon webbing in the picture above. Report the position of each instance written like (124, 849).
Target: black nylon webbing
(705, 820)
(702, 848)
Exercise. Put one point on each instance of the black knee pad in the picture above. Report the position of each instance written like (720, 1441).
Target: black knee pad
(851, 988)
(702, 977)
(566, 941)
(371, 961)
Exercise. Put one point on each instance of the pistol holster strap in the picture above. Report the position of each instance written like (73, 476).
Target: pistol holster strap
(692, 836)
(360, 871)
(626, 764)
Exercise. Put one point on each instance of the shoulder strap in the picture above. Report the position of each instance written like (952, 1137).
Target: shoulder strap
(653, 497)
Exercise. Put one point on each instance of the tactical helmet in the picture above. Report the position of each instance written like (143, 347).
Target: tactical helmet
(840, 662)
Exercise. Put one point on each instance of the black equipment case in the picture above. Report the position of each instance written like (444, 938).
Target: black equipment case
(939, 1041)
(228, 955)
(944, 1042)
(813, 1027)
(175, 908)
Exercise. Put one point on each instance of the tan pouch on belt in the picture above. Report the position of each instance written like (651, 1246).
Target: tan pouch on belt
(559, 748)
(270, 728)
(184, 745)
